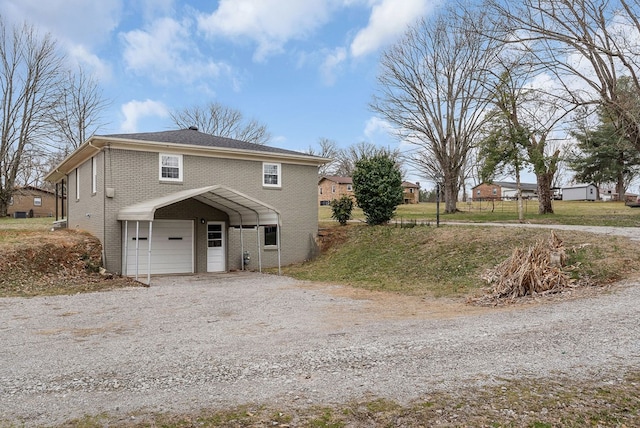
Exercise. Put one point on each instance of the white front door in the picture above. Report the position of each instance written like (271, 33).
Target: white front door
(215, 247)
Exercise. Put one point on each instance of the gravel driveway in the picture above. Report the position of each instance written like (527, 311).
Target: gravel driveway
(189, 342)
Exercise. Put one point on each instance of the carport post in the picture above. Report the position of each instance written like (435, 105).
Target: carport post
(279, 237)
(259, 253)
(126, 247)
(137, 246)
(241, 244)
(149, 253)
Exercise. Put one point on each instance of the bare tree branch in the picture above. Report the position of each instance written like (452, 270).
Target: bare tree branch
(30, 76)
(217, 119)
(432, 89)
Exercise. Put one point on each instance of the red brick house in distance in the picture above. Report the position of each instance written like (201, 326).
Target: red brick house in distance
(31, 201)
(332, 187)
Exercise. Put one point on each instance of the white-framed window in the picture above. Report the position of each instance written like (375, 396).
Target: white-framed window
(271, 174)
(410, 189)
(94, 175)
(77, 184)
(37, 201)
(170, 167)
(319, 190)
(349, 187)
(333, 188)
(11, 200)
(271, 236)
(495, 191)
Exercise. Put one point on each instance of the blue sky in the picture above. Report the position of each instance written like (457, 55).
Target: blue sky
(305, 68)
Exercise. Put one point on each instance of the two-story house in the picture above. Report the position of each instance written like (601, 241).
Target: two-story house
(410, 192)
(184, 201)
(332, 187)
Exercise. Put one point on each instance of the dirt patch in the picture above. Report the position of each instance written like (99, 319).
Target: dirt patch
(52, 262)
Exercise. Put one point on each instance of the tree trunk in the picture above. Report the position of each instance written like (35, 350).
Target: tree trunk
(5, 196)
(620, 188)
(544, 193)
(451, 195)
(519, 194)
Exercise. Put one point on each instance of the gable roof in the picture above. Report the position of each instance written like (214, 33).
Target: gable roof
(579, 186)
(183, 141)
(408, 184)
(193, 137)
(337, 179)
(512, 185)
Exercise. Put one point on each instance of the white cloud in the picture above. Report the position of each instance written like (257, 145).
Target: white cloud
(75, 21)
(82, 57)
(389, 19)
(135, 110)
(377, 130)
(78, 26)
(332, 61)
(166, 52)
(268, 23)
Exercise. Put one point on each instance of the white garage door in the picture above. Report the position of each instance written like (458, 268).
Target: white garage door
(171, 247)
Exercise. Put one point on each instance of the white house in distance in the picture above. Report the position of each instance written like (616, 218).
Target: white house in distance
(580, 192)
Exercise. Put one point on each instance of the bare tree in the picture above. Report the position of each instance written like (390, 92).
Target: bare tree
(223, 121)
(431, 88)
(327, 149)
(78, 115)
(346, 159)
(30, 75)
(586, 44)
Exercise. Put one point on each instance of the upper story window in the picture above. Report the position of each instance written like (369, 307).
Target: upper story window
(271, 174)
(333, 188)
(11, 200)
(320, 190)
(349, 187)
(495, 191)
(37, 201)
(170, 167)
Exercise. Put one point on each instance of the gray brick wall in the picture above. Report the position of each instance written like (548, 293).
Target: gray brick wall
(134, 177)
(87, 212)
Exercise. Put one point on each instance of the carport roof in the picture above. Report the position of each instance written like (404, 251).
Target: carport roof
(242, 209)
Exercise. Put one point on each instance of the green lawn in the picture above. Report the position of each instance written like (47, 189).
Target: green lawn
(565, 212)
(449, 261)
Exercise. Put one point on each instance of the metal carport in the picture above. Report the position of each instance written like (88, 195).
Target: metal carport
(243, 210)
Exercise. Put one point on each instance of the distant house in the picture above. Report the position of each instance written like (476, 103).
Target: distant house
(332, 187)
(580, 192)
(611, 194)
(31, 201)
(410, 192)
(503, 190)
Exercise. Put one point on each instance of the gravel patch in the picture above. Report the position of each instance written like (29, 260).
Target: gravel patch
(215, 341)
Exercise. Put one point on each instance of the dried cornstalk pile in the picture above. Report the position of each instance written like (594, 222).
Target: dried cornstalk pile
(530, 271)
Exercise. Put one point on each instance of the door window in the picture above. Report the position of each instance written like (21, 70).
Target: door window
(214, 235)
